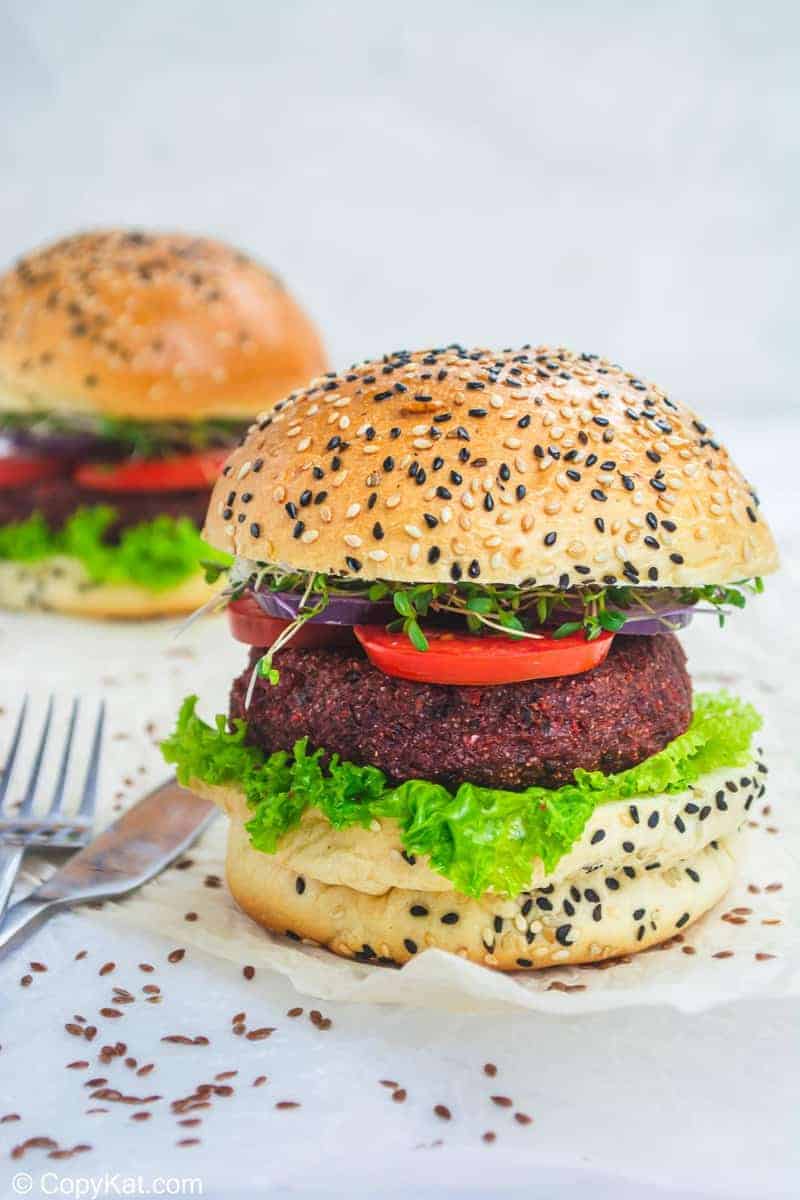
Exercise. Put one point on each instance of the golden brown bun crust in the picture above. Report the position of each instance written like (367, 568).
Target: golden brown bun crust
(499, 467)
(356, 924)
(60, 584)
(151, 326)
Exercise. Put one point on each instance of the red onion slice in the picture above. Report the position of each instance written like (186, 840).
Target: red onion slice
(340, 610)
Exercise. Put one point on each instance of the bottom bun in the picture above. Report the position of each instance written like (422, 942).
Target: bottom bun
(60, 584)
(591, 916)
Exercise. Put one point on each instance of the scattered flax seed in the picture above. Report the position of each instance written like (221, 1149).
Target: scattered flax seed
(762, 957)
(259, 1081)
(147, 967)
(190, 1122)
(81, 954)
(111, 1013)
(90, 1112)
(106, 968)
(141, 1116)
(442, 1111)
(73, 1029)
(190, 916)
(389, 1083)
(239, 1029)
(175, 956)
(288, 1104)
(315, 1016)
(226, 1075)
(502, 1101)
(146, 1069)
(26, 981)
(723, 954)
(258, 1035)
(248, 972)
(399, 1095)
(34, 1143)
(95, 1083)
(773, 887)
(10, 1117)
(151, 989)
(753, 890)
(295, 1012)
(40, 968)
(188, 1142)
(212, 881)
(523, 1119)
(489, 1069)
(742, 912)
(80, 1064)
(772, 921)
(688, 950)
(490, 1136)
(180, 1039)
(90, 1033)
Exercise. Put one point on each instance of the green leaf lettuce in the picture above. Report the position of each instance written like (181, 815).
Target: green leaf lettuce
(156, 554)
(480, 838)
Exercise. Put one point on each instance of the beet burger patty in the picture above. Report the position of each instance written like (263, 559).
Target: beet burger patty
(511, 736)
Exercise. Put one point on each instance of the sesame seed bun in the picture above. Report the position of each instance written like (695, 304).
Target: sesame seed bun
(60, 584)
(500, 467)
(642, 870)
(149, 326)
(394, 926)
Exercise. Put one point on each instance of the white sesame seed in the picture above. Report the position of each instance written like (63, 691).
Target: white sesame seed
(413, 531)
(352, 511)
(393, 501)
(378, 555)
(303, 444)
(310, 536)
(353, 540)
(513, 443)
(446, 515)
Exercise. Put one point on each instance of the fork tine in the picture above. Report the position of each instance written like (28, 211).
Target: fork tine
(90, 786)
(30, 793)
(5, 778)
(58, 792)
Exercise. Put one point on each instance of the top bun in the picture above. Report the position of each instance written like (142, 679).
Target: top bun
(151, 326)
(501, 467)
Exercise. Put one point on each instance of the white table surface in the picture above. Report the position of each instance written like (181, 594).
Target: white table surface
(627, 1104)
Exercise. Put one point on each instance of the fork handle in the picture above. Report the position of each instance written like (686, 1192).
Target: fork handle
(10, 859)
(21, 915)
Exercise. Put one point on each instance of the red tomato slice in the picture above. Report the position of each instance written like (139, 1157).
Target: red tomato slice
(181, 473)
(480, 661)
(19, 469)
(250, 624)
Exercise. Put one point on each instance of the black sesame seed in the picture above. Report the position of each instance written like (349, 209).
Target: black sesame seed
(680, 824)
(544, 904)
(521, 491)
(388, 463)
(305, 498)
(681, 921)
(353, 563)
(410, 945)
(598, 494)
(450, 918)
(418, 910)
(474, 569)
(488, 502)
(434, 554)
(600, 524)
(299, 527)
(693, 875)
(299, 885)
(562, 935)
(597, 836)
(612, 884)
(377, 531)
(455, 572)
(444, 493)
(634, 813)
(550, 538)
(255, 529)
(592, 895)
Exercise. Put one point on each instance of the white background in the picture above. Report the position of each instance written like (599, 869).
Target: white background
(617, 177)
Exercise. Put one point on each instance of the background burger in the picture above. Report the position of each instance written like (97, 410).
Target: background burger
(129, 365)
(466, 720)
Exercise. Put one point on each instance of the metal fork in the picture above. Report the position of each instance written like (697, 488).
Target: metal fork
(21, 831)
